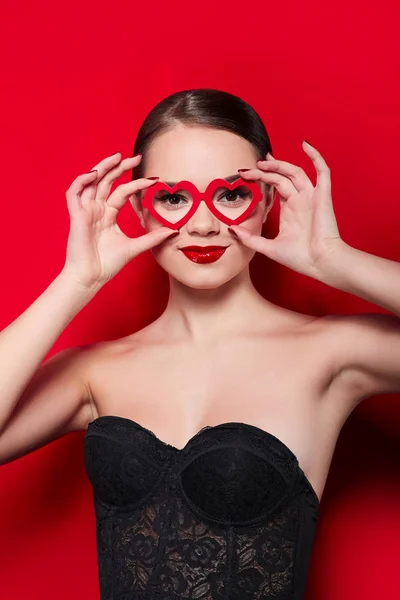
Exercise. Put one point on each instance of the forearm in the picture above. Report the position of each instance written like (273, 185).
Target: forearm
(27, 340)
(365, 275)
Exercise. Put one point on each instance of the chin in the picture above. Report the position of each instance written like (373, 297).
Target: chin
(203, 276)
(206, 281)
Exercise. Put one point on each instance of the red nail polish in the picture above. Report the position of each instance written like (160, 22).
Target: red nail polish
(152, 178)
(309, 143)
(244, 170)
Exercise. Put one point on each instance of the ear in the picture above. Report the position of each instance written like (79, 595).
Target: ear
(136, 201)
(269, 200)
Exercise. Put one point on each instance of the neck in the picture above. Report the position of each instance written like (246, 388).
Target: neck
(201, 315)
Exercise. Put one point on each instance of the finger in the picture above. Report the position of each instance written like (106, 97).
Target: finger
(107, 163)
(73, 193)
(282, 184)
(102, 168)
(149, 240)
(123, 191)
(323, 171)
(105, 184)
(251, 240)
(297, 175)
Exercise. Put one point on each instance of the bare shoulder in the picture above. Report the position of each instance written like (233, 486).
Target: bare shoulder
(103, 357)
(365, 348)
(104, 352)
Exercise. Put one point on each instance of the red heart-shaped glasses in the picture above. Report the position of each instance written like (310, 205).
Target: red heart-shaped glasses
(157, 199)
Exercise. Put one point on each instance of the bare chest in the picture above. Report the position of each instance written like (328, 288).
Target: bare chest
(174, 391)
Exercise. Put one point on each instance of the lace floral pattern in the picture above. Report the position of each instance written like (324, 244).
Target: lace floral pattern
(231, 516)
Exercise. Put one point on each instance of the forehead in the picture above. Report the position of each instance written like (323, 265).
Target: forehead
(198, 154)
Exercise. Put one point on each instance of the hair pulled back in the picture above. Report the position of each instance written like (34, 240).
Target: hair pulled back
(203, 106)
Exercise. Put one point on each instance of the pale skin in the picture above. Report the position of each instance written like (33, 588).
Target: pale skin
(220, 352)
(221, 361)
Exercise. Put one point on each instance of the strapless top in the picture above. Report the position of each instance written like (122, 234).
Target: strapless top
(231, 516)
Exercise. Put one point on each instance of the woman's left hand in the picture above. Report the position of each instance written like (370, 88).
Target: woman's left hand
(308, 231)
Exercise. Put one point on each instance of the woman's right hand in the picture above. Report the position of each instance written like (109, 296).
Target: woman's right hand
(97, 249)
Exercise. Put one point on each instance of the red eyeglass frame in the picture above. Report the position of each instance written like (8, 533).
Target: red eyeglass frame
(199, 196)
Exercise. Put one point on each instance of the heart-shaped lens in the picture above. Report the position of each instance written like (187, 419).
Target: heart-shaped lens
(232, 203)
(172, 206)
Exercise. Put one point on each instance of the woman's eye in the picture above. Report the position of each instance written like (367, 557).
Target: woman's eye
(171, 201)
(170, 197)
(234, 196)
(231, 195)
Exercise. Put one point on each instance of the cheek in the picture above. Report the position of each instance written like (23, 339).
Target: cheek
(254, 222)
(150, 222)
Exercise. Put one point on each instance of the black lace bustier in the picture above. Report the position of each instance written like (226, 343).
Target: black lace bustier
(231, 516)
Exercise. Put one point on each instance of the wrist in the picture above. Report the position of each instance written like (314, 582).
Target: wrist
(67, 280)
(331, 265)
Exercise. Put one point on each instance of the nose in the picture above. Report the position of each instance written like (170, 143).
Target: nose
(203, 221)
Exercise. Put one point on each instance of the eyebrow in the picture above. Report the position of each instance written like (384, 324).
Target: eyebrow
(229, 179)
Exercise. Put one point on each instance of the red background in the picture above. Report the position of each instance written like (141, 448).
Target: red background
(77, 80)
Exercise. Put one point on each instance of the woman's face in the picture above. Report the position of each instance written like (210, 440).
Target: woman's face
(201, 154)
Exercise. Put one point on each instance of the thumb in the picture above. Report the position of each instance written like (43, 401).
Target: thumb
(252, 240)
(150, 239)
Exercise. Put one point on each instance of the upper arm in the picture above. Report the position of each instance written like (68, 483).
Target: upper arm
(369, 353)
(56, 401)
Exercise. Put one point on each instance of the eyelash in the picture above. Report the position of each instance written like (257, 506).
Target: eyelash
(167, 197)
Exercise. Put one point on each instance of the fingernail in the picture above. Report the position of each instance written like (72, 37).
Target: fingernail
(135, 155)
(270, 155)
(240, 170)
(309, 144)
(173, 233)
(93, 171)
(152, 178)
(116, 153)
(242, 230)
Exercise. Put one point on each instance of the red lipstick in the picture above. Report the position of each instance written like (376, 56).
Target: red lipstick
(203, 254)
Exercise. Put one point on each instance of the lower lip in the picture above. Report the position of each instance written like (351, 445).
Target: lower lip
(204, 257)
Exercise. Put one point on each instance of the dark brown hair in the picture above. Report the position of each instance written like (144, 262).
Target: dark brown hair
(202, 106)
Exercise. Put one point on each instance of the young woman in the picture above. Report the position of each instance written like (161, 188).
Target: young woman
(209, 433)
